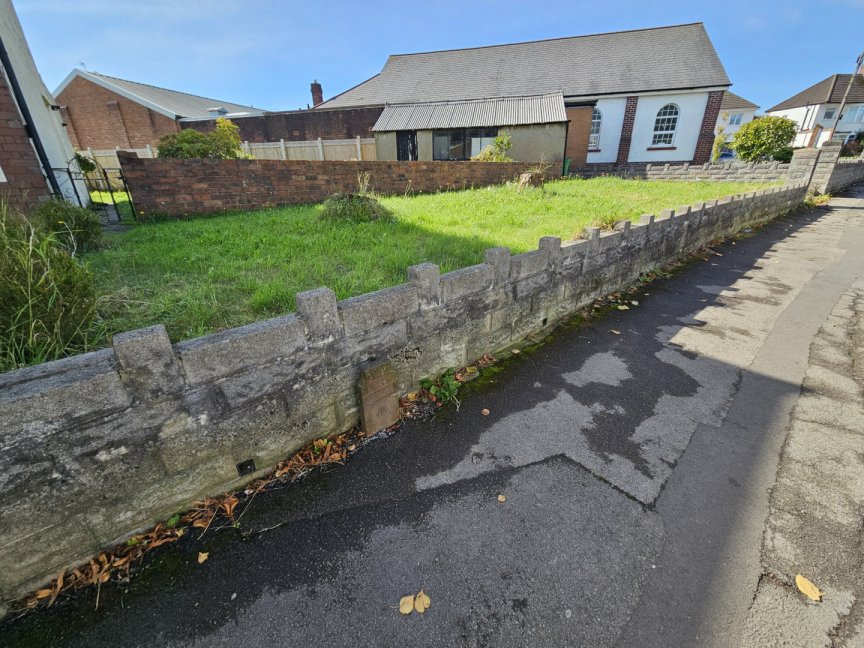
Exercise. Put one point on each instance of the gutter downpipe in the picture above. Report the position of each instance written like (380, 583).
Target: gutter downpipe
(28, 119)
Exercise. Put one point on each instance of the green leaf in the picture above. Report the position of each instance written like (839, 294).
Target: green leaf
(172, 521)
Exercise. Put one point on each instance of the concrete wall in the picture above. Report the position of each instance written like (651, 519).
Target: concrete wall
(723, 171)
(540, 142)
(385, 146)
(100, 445)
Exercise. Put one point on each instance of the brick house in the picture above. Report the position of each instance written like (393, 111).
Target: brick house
(103, 112)
(646, 95)
(34, 147)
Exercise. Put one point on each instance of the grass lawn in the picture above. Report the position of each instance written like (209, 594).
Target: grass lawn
(121, 200)
(202, 275)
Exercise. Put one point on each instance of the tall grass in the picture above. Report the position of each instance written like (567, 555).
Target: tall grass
(48, 299)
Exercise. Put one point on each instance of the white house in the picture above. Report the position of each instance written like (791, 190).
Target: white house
(815, 109)
(734, 112)
(646, 95)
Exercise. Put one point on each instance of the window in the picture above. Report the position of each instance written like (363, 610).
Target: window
(665, 125)
(841, 137)
(855, 115)
(594, 135)
(735, 119)
(461, 143)
(829, 113)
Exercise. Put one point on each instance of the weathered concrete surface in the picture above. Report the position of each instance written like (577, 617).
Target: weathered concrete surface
(636, 467)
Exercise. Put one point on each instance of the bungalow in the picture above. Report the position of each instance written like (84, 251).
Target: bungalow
(647, 95)
(104, 112)
(815, 110)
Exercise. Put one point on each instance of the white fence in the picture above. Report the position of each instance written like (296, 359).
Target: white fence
(359, 148)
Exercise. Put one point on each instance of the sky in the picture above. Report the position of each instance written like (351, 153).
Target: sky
(265, 53)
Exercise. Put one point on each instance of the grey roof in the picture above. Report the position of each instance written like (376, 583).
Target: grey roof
(171, 103)
(662, 58)
(502, 111)
(732, 101)
(828, 90)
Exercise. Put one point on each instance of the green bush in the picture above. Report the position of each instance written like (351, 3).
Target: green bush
(47, 298)
(359, 208)
(76, 228)
(784, 154)
(222, 143)
(763, 138)
(496, 152)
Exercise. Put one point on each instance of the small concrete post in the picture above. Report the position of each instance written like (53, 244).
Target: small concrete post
(148, 366)
(379, 398)
(426, 277)
(499, 259)
(318, 308)
(359, 149)
(320, 149)
(282, 150)
(552, 246)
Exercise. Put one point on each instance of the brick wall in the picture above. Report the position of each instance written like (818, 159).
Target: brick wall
(578, 131)
(300, 125)
(627, 130)
(705, 143)
(25, 185)
(98, 118)
(186, 187)
(138, 431)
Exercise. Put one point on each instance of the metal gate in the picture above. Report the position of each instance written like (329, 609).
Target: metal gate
(106, 191)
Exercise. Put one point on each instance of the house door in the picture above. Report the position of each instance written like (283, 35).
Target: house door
(406, 145)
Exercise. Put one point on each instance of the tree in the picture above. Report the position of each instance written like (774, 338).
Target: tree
(765, 137)
(221, 143)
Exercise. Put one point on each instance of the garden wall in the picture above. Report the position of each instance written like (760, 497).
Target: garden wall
(97, 446)
(723, 171)
(185, 187)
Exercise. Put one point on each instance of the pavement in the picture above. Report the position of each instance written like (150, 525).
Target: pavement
(663, 486)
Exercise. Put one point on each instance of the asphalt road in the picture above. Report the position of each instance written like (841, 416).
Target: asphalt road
(656, 483)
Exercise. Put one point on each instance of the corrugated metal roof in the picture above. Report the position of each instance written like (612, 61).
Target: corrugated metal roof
(662, 58)
(169, 102)
(473, 113)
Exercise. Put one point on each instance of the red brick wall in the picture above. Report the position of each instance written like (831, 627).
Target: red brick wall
(578, 131)
(705, 143)
(185, 187)
(25, 185)
(101, 119)
(301, 125)
(627, 130)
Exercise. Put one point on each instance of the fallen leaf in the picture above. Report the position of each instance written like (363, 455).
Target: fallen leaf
(203, 556)
(44, 593)
(352, 448)
(516, 351)
(501, 498)
(406, 604)
(484, 412)
(412, 396)
(623, 307)
(422, 602)
(635, 303)
(615, 332)
(808, 588)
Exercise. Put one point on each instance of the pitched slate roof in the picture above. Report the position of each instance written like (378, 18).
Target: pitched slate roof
(732, 101)
(828, 90)
(171, 103)
(662, 58)
(502, 111)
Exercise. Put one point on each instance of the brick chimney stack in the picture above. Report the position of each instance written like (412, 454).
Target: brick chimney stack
(317, 94)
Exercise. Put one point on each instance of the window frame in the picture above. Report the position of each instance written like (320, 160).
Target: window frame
(826, 116)
(660, 133)
(464, 135)
(735, 119)
(595, 129)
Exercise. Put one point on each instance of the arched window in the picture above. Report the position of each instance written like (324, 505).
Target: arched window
(594, 136)
(665, 125)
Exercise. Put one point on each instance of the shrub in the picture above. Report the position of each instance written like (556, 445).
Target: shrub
(852, 148)
(719, 144)
(763, 138)
(222, 143)
(359, 208)
(784, 155)
(496, 152)
(75, 228)
(47, 298)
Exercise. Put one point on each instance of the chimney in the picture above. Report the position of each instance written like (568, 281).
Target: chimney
(317, 94)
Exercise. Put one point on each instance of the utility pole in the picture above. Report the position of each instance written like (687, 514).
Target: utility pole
(839, 113)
